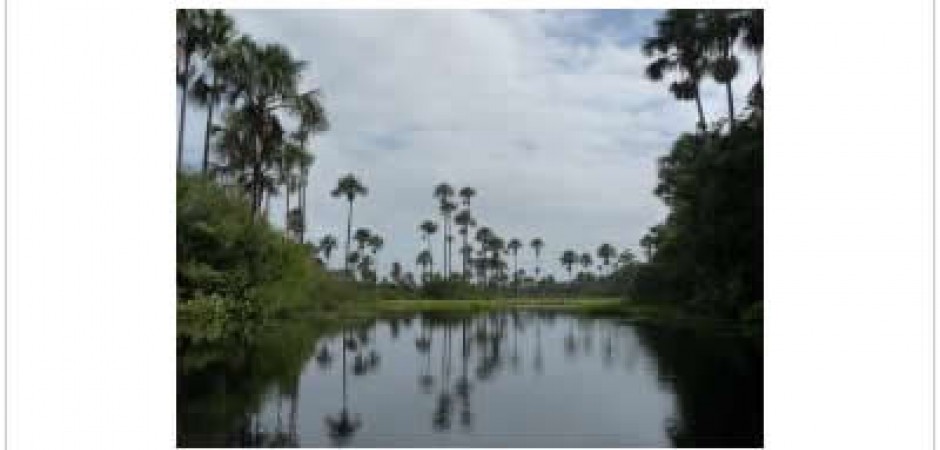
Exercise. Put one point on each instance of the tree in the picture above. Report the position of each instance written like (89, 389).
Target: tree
(586, 260)
(514, 246)
(606, 252)
(647, 243)
(537, 244)
(465, 220)
(467, 193)
(349, 187)
(443, 192)
(362, 237)
(327, 244)
(568, 259)
(375, 244)
(396, 272)
(722, 27)
(428, 228)
(425, 261)
(484, 234)
(312, 120)
(262, 81)
(190, 38)
(217, 32)
(679, 47)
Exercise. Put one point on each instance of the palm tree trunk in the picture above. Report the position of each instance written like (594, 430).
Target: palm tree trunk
(205, 149)
(287, 229)
(179, 139)
(348, 236)
(698, 105)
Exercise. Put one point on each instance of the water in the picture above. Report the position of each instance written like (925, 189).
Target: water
(517, 379)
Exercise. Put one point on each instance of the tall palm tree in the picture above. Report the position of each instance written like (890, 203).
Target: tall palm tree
(483, 236)
(292, 157)
(443, 192)
(537, 244)
(514, 246)
(606, 252)
(425, 261)
(722, 29)
(396, 272)
(217, 31)
(262, 81)
(428, 228)
(349, 187)
(568, 259)
(679, 47)
(190, 38)
(375, 244)
(312, 120)
(327, 244)
(447, 209)
(465, 220)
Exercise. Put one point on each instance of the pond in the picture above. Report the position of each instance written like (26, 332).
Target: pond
(502, 379)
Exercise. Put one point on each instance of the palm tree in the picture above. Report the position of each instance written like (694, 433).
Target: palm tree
(376, 243)
(586, 260)
(362, 237)
(349, 187)
(292, 156)
(262, 81)
(467, 193)
(327, 244)
(428, 227)
(606, 252)
(568, 259)
(722, 29)
(190, 38)
(484, 234)
(396, 272)
(514, 246)
(218, 30)
(679, 46)
(447, 209)
(424, 260)
(465, 220)
(312, 120)
(537, 244)
(443, 192)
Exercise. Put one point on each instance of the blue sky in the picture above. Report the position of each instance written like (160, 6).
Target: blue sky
(545, 113)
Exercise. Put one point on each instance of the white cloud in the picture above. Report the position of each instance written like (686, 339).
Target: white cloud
(547, 114)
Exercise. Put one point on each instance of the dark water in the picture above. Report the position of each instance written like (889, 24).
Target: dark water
(520, 379)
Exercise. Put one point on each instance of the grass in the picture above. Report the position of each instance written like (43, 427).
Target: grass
(489, 305)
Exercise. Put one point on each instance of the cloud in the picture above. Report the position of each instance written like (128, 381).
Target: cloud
(545, 113)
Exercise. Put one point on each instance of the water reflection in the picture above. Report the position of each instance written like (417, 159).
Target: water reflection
(495, 379)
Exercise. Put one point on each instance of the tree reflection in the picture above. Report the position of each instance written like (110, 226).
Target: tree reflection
(423, 344)
(463, 382)
(341, 427)
(702, 369)
(441, 420)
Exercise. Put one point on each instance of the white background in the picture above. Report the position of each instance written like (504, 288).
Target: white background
(91, 230)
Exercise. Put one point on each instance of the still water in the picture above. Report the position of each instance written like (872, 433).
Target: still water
(508, 379)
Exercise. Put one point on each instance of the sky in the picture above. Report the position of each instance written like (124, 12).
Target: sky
(547, 114)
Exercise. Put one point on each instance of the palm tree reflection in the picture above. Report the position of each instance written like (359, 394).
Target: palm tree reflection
(342, 426)
(423, 344)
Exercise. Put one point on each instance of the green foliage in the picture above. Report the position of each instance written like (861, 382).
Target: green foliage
(707, 256)
(233, 269)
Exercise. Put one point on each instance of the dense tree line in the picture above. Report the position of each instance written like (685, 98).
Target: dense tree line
(707, 255)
